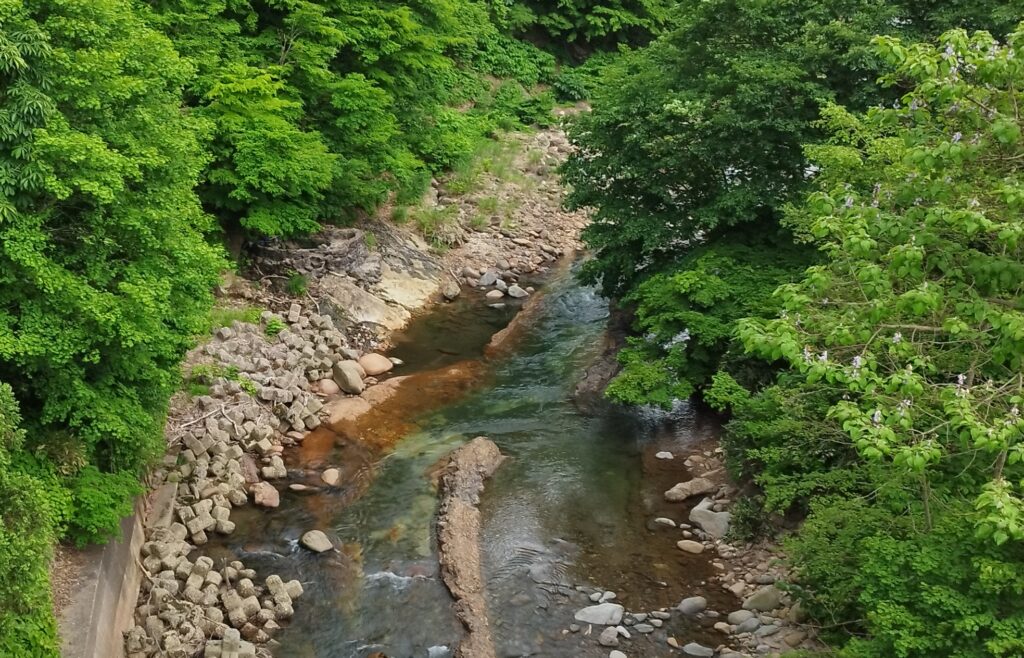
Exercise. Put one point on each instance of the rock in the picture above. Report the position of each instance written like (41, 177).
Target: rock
(265, 495)
(331, 477)
(672, 642)
(450, 289)
(748, 625)
(715, 524)
(694, 487)
(644, 628)
(316, 541)
(328, 387)
(609, 637)
(739, 616)
(349, 376)
(764, 599)
(664, 454)
(488, 278)
(603, 614)
(690, 546)
(661, 520)
(616, 654)
(494, 294)
(692, 605)
(517, 292)
(375, 364)
(794, 638)
(698, 650)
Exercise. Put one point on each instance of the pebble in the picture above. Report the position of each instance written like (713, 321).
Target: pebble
(494, 294)
(661, 520)
(331, 477)
(616, 654)
(664, 454)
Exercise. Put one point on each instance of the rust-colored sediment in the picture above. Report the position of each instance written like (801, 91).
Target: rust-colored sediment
(458, 538)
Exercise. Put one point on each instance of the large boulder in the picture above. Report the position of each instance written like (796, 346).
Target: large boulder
(375, 364)
(348, 376)
(603, 614)
(694, 487)
(714, 523)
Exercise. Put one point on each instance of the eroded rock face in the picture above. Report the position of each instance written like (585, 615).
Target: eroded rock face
(462, 481)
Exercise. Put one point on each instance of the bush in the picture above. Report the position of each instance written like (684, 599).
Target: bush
(31, 512)
(99, 502)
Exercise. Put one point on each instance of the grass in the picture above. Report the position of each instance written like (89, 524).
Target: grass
(488, 205)
(399, 214)
(223, 316)
(297, 285)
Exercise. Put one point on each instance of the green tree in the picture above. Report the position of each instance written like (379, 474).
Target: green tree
(914, 322)
(105, 275)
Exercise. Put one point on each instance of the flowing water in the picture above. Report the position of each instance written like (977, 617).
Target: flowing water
(571, 508)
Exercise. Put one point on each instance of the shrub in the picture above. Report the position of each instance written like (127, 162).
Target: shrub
(99, 501)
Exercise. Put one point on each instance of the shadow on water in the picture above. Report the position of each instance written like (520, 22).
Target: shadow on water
(572, 506)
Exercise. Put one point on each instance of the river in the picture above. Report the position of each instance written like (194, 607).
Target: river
(569, 512)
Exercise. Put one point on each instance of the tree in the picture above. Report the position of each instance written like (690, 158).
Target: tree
(105, 275)
(915, 320)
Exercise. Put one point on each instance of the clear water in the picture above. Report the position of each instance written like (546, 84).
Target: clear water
(572, 506)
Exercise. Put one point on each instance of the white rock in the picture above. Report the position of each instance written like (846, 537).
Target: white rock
(603, 614)
(664, 454)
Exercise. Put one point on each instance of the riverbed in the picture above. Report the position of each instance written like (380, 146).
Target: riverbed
(568, 514)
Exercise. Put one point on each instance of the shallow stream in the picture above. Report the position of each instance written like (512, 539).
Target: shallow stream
(571, 509)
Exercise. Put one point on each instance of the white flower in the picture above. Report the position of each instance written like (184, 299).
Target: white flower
(897, 338)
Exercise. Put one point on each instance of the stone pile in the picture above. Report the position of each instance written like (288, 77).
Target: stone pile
(262, 397)
(190, 606)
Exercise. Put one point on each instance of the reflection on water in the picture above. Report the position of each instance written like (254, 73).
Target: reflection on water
(572, 505)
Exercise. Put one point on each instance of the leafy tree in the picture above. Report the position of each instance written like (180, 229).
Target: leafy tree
(702, 130)
(686, 317)
(585, 22)
(105, 276)
(914, 323)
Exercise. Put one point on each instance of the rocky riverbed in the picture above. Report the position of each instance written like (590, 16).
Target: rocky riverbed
(270, 383)
(755, 617)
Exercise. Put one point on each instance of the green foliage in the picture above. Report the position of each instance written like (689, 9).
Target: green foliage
(99, 502)
(297, 285)
(275, 325)
(703, 129)
(579, 22)
(223, 316)
(916, 315)
(911, 335)
(29, 522)
(105, 275)
(917, 594)
(687, 316)
(576, 83)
